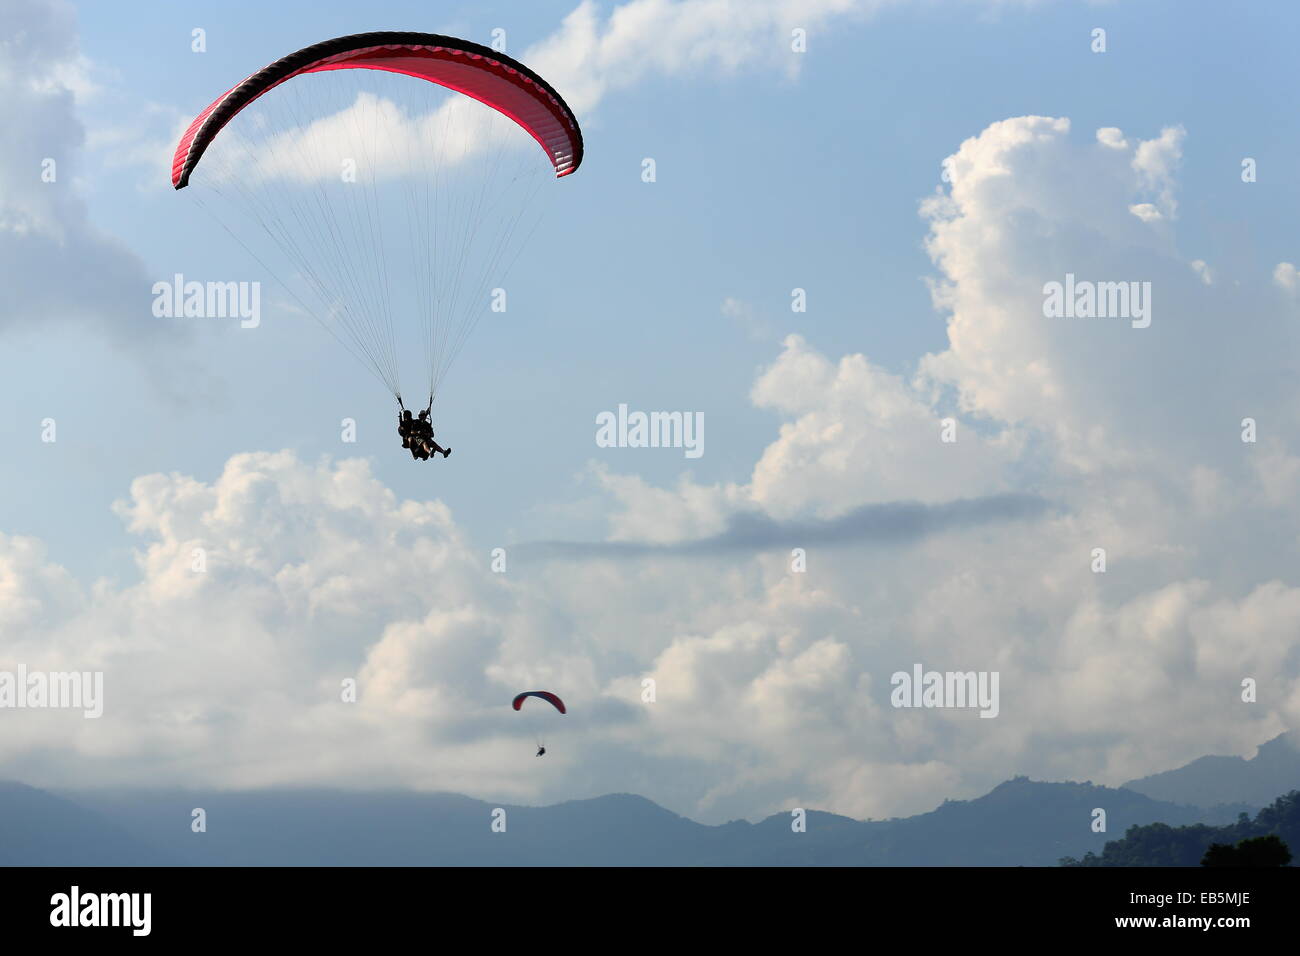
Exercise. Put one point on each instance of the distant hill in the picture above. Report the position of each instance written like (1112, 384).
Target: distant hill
(1274, 770)
(1021, 822)
(1159, 844)
(39, 829)
(1018, 823)
(316, 827)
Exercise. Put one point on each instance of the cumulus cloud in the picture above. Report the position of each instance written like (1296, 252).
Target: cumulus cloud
(1094, 416)
(1286, 277)
(859, 434)
(770, 685)
(1007, 228)
(317, 573)
(1156, 163)
(1112, 137)
(60, 267)
(259, 593)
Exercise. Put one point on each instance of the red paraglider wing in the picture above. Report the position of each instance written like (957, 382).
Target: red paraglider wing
(490, 77)
(544, 695)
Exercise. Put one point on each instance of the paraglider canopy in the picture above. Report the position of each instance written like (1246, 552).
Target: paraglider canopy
(545, 695)
(480, 72)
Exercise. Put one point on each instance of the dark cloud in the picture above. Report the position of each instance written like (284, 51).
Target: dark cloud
(891, 522)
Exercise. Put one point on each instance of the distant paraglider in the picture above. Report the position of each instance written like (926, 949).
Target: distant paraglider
(547, 696)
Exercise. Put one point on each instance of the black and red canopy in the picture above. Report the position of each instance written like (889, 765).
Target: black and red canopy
(492, 78)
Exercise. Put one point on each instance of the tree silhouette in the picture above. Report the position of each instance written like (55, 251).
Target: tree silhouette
(1256, 851)
(1262, 841)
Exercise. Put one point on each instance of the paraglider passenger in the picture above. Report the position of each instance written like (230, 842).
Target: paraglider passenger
(423, 432)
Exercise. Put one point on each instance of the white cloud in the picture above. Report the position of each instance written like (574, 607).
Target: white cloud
(591, 56)
(60, 268)
(1111, 424)
(1156, 163)
(1286, 277)
(747, 318)
(1009, 226)
(1112, 137)
(860, 434)
(771, 685)
(1147, 212)
(279, 138)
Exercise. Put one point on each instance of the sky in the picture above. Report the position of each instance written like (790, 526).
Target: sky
(921, 171)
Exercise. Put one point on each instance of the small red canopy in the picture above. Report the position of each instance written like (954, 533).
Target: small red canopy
(544, 695)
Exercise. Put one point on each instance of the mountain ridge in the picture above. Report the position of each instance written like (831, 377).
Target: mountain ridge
(1020, 822)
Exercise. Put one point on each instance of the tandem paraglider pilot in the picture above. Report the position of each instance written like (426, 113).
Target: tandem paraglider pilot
(417, 434)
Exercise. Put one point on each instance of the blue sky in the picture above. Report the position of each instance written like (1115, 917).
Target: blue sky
(775, 173)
